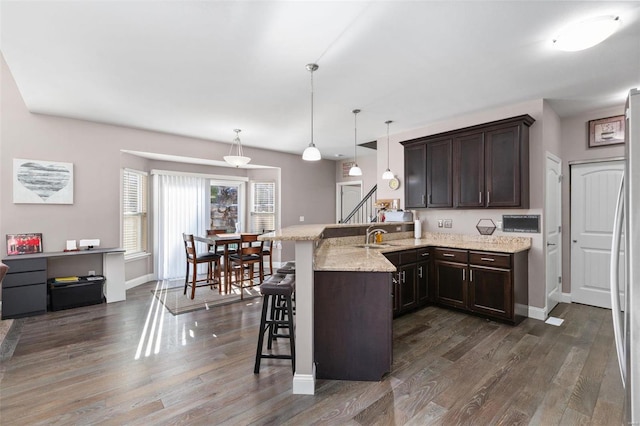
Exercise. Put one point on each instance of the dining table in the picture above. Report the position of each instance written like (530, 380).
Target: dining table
(225, 240)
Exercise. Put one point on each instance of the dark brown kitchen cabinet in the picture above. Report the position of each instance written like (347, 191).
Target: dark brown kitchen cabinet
(450, 273)
(415, 188)
(468, 155)
(405, 280)
(482, 166)
(487, 283)
(424, 276)
(439, 173)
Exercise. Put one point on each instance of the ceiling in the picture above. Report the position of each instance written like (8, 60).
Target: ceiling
(202, 69)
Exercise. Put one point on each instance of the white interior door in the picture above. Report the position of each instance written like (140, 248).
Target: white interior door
(594, 189)
(349, 195)
(553, 230)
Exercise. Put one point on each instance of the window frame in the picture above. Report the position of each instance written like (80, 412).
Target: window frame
(141, 212)
(252, 205)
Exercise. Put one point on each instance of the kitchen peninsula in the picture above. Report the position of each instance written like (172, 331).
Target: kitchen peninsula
(331, 255)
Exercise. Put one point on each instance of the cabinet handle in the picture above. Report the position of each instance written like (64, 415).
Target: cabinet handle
(419, 271)
(448, 255)
(424, 254)
(422, 198)
(480, 197)
(488, 197)
(487, 259)
(464, 274)
(470, 275)
(429, 198)
(403, 277)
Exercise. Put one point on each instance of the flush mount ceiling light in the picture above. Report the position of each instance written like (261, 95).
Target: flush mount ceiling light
(585, 34)
(239, 159)
(388, 174)
(355, 170)
(311, 153)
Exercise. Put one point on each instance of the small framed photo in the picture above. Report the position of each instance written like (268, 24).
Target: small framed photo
(24, 243)
(606, 131)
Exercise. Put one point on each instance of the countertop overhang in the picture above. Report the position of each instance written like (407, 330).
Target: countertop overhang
(343, 254)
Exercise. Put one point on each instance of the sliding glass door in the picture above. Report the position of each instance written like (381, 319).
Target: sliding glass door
(227, 205)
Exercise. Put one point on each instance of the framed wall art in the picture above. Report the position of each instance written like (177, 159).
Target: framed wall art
(606, 131)
(24, 243)
(42, 182)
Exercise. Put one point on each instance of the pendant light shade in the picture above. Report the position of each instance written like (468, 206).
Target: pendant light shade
(311, 153)
(355, 170)
(388, 174)
(239, 159)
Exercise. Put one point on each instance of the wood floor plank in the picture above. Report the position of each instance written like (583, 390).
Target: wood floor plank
(81, 366)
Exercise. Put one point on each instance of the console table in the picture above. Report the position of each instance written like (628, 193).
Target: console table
(24, 288)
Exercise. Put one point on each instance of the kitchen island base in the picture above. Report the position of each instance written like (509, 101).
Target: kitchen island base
(353, 325)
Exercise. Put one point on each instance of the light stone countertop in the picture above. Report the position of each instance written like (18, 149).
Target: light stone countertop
(341, 254)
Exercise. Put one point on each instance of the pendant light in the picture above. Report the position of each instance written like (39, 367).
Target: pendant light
(239, 159)
(355, 170)
(311, 153)
(388, 174)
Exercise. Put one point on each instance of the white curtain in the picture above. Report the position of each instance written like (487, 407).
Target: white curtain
(182, 206)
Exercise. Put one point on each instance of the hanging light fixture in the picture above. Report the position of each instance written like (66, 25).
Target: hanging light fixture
(239, 159)
(355, 170)
(388, 174)
(311, 153)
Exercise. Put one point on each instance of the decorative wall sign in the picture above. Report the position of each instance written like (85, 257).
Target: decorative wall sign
(24, 243)
(521, 223)
(42, 182)
(606, 131)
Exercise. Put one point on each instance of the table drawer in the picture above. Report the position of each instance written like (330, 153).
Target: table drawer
(26, 265)
(452, 255)
(24, 301)
(496, 260)
(24, 278)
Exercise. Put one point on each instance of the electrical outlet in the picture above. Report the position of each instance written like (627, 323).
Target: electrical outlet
(499, 224)
(448, 223)
(91, 273)
(440, 223)
(301, 218)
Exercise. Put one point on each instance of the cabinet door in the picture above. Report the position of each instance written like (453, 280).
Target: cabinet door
(502, 162)
(423, 282)
(439, 173)
(408, 287)
(451, 283)
(415, 185)
(468, 170)
(490, 291)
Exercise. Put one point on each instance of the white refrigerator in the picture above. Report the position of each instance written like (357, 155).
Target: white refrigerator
(626, 314)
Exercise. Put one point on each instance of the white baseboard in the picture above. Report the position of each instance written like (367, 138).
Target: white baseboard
(304, 384)
(565, 297)
(139, 281)
(537, 313)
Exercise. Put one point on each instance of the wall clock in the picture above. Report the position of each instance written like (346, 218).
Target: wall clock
(394, 183)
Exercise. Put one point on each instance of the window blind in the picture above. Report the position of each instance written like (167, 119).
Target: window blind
(134, 212)
(263, 206)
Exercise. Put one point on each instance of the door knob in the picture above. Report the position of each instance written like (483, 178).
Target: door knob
(575, 241)
(550, 244)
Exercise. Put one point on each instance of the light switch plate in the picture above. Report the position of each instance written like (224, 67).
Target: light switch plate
(440, 223)
(448, 223)
(301, 218)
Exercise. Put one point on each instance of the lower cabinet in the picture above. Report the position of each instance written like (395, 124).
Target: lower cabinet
(24, 288)
(353, 335)
(411, 280)
(487, 283)
(424, 276)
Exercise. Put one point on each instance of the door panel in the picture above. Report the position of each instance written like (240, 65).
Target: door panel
(553, 233)
(594, 189)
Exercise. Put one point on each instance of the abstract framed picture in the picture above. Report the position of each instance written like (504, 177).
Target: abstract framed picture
(42, 182)
(606, 131)
(24, 243)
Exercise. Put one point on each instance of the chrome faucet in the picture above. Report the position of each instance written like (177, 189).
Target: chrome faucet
(372, 231)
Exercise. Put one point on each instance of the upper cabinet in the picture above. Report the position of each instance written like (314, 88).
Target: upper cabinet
(476, 167)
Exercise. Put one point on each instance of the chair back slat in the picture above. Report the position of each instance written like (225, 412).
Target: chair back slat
(189, 245)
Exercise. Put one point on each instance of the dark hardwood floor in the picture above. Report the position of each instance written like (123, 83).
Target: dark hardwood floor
(134, 363)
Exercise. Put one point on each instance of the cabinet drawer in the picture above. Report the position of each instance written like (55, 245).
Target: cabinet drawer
(452, 255)
(423, 254)
(496, 260)
(408, 256)
(24, 278)
(26, 265)
(24, 301)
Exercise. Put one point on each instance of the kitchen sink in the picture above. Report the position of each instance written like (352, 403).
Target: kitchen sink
(383, 245)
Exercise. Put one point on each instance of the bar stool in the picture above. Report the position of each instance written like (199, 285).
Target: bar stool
(277, 312)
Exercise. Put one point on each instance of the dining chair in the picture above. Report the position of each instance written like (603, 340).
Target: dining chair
(249, 253)
(194, 258)
(266, 251)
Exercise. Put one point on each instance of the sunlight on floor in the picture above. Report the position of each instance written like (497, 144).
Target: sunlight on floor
(156, 309)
